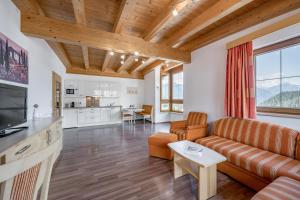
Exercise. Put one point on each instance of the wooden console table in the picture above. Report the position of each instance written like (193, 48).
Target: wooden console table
(27, 158)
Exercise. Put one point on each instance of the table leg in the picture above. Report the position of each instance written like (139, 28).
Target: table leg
(207, 185)
(178, 171)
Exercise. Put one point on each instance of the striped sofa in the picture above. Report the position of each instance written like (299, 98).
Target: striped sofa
(257, 152)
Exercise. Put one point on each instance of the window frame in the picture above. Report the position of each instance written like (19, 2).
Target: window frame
(267, 49)
(171, 101)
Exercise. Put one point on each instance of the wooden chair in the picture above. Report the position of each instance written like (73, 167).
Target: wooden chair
(127, 116)
(193, 128)
(23, 178)
(147, 113)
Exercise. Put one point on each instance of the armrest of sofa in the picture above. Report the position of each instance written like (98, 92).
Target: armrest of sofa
(178, 125)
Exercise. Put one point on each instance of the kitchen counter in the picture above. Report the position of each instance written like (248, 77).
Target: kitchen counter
(114, 106)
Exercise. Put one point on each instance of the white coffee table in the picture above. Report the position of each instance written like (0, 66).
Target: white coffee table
(202, 165)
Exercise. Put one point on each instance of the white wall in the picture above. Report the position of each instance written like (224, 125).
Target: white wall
(125, 99)
(204, 78)
(42, 60)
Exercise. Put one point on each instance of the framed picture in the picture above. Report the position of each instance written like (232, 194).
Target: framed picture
(13, 61)
(132, 90)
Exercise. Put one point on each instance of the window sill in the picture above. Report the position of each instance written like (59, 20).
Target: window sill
(278, 115)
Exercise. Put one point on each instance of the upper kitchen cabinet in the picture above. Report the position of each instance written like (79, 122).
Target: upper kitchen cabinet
(91, 88)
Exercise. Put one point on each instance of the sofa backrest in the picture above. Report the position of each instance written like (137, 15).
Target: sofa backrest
(196, 118)
(266, 136)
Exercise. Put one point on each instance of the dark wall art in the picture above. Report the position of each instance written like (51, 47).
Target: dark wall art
(13, 61)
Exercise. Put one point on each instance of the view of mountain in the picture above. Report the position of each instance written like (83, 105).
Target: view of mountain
(271, 96)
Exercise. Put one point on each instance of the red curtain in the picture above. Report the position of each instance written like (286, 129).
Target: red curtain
(240, 91)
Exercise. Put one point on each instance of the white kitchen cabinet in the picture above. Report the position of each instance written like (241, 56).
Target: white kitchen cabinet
(114, 89)
(81, 117)
(70, 118)
(91, 88)
(81, 88)
(105, 115)
(92, 116)
(115, 114)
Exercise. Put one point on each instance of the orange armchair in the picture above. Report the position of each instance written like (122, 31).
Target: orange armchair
(193, 128)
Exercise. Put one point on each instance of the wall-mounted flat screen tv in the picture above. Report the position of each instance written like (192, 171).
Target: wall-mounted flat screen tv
(13, 106)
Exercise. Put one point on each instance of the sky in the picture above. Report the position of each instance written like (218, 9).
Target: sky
(268, 66)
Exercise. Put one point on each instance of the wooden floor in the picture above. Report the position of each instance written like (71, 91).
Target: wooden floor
(113, 163)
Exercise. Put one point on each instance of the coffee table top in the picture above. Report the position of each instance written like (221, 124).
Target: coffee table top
(205, 158)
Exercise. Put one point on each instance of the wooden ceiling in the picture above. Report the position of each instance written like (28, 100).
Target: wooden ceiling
(84, 32)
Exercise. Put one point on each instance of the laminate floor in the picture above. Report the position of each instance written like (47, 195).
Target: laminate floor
(112, 162)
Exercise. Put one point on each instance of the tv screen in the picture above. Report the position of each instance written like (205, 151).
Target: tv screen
(13, 106)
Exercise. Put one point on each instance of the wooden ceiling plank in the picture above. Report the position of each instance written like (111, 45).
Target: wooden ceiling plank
(126, 7)
(266, 11)
(94, 71)
(60, 31)
(149, 68)
(79, 11)
(289, 21)
(32, 6)
(206, 18)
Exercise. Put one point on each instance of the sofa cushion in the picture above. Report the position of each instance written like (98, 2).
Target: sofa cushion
(258, 134)
(282, 188)
(263, 163)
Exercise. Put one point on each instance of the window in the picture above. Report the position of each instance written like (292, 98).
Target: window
(278, 77)
(172, 90)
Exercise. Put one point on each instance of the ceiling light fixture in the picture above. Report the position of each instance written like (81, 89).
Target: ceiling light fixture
(136, 59)
(143, 61)
(122, 62)
(111, 53)
(136, 53)
(123, 57)
(174, 12)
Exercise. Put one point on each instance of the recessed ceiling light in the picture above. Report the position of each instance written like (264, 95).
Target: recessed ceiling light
(123, 57)
(167, 65)
(136, 59)
(122, 62)
(111, 53)
(174, 12)
(143, 61)
(136, 53)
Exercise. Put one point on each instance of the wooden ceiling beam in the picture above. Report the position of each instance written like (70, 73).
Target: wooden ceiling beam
(163, 18)
(128, 62)
(79, 11)
(60, 31)
(33, 7)
(157, 26)
(266, 11)
(171, 66)
(96, 72)
(125, 9)
(206, 18)
(142, 65)
(286, 22)
(149, 68)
